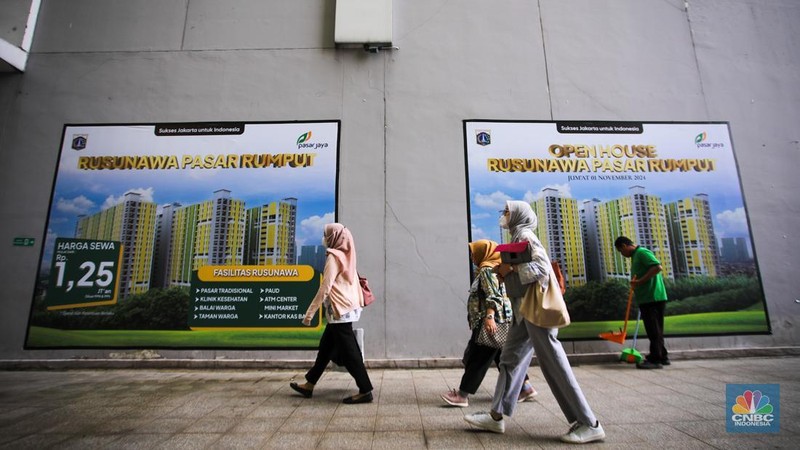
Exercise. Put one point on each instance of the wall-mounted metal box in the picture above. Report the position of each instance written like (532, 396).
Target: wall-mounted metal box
(363, 22)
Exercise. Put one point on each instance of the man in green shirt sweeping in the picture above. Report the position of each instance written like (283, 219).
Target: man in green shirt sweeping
(651, 297)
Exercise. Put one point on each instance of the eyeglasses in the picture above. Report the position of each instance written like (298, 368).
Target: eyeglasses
(503, 212)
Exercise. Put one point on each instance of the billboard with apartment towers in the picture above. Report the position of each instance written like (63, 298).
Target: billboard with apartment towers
(185, 235)
(673, 188)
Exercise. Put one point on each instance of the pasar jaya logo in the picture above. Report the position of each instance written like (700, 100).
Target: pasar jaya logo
(700, 142)
(700, 137)
(303, 142)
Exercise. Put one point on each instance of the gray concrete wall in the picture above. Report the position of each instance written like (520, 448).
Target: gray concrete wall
(13, 18)
(402, 182)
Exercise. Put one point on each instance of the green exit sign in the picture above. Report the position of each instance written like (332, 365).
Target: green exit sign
(23, 241)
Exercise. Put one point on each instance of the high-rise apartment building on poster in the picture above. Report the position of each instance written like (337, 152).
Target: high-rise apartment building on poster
(206, 233)
(271, 233)
(181, 246)
(643, 220)
(734, 250)
(559, 230)
(639, 216)
(132, 223)
(581, 238)
(220, 231)
(694, 243)
(160, 273)
(609, 228)
(591, 239)
(314, 256)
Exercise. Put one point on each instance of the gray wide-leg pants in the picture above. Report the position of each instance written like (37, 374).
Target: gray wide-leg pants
(523, 338)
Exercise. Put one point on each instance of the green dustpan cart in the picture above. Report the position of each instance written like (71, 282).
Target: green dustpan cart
(631, 355)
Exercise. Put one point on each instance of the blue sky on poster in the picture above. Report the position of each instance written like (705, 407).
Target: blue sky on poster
(489, 190)
(79, 191)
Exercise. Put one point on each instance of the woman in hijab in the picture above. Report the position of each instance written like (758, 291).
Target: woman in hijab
(340, 296)
(486, 307)
(524, 337)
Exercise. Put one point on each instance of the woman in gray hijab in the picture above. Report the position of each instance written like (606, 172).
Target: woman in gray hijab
(524, 337)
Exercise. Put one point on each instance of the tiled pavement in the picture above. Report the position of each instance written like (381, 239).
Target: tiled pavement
(681, 407)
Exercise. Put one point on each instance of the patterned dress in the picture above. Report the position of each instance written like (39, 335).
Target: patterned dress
(486, 292)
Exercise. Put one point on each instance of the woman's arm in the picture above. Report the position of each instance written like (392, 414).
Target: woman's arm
(493, 301)
(491, 287)
(329, 274)
(538, 269)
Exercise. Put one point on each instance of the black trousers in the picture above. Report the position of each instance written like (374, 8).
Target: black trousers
(339, 342)
(653, 319)
(477, 360)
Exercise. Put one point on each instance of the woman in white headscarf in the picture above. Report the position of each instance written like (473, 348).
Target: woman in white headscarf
(340, 296)
(524, 337)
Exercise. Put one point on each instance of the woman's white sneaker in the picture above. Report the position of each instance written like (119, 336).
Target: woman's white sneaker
(484, 421)
(581, 434)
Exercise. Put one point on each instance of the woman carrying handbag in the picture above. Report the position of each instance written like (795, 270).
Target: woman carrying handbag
(341, 297)
(489, 317)
(541, 311)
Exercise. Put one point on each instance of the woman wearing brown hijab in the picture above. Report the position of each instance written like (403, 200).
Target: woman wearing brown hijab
(486, 307)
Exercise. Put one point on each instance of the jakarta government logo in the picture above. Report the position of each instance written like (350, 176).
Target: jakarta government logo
(79, 141)
(753, 408)
(483, 137)
(304, 141)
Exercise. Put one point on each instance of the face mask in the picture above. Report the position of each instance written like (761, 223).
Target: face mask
(503, 222)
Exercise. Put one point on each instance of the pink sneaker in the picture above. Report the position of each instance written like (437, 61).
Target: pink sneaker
(453, 399)
(527, 394)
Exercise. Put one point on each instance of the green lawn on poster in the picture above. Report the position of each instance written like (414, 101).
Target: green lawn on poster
(50, 337)
(750, 321)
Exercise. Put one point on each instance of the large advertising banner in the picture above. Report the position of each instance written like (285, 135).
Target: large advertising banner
(186, 235)
(673, 188)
